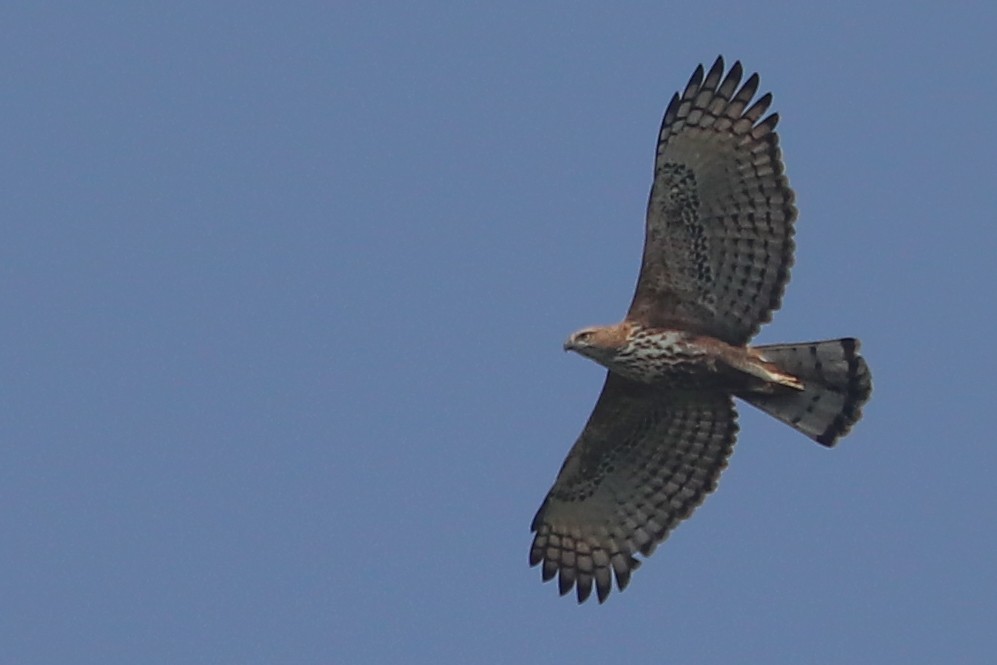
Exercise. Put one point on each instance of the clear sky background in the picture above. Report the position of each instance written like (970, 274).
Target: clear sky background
(284, 292)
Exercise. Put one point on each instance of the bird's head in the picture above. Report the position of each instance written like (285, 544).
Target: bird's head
(600, 343)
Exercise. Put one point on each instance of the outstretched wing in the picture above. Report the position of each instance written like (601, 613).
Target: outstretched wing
(719, 236)
(645, 460)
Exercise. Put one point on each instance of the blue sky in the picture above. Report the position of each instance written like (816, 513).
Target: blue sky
(284, 293)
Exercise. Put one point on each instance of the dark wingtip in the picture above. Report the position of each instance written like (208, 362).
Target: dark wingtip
(584, 591)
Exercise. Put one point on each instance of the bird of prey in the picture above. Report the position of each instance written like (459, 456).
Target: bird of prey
(717, 251)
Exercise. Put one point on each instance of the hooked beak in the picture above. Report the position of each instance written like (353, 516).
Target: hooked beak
(569, 344)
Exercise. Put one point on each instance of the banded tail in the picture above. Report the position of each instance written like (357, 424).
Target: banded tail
(836, 383)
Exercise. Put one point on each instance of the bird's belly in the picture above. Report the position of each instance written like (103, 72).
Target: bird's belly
(676, 361)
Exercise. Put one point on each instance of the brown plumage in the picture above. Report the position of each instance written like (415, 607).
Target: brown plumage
(717, 252)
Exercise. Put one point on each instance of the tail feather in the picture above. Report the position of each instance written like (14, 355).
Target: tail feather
(836, 383)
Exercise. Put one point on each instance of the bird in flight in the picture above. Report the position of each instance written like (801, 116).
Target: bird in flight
(717, 251)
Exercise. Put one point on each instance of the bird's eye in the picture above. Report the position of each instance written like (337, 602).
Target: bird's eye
(583, 336)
